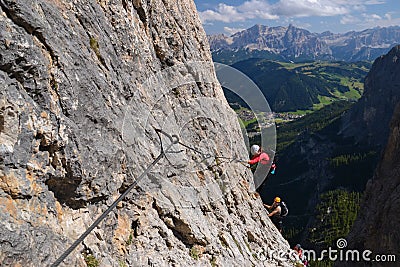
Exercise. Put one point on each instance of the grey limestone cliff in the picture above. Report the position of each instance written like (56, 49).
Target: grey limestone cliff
(369, 119)
(377, 226)
(83, 86)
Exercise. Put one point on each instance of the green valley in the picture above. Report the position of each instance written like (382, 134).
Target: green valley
(299, 88)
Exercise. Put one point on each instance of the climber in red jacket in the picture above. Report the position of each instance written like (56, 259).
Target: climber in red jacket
(258, 155)
(263, 168)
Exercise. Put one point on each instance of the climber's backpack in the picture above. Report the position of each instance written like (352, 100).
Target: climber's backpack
(284, 209)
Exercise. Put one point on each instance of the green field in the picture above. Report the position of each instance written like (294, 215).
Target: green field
(301, 88)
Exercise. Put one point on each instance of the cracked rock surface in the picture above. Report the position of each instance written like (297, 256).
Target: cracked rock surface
(83, 86)
(376, 227)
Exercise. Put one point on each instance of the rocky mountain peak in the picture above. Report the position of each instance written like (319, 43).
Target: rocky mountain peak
(293, 43)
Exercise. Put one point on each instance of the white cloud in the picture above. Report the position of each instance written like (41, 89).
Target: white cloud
(223, 13)
(365, 20)
(371, 19)
(261, 9)
(348, 19)
(248, 10)
(374, 17)
(375, 2)
(231, 31)
(305, 8)
(354, 2)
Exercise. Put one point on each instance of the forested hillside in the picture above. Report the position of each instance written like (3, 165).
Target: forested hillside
(305, 86)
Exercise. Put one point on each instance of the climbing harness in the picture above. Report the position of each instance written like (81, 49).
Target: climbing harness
(174, 139)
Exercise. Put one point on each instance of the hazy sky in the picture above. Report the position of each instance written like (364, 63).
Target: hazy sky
(337, 16)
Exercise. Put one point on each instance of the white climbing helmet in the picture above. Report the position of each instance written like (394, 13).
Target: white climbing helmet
(254, 149)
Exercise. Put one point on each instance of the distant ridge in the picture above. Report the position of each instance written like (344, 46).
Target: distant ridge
(296, 44)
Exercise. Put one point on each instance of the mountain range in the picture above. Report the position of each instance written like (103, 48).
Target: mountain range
(296, 44)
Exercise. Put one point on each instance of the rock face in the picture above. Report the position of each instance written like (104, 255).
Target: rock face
(84, 84)
(368, 120)
(376, 228)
